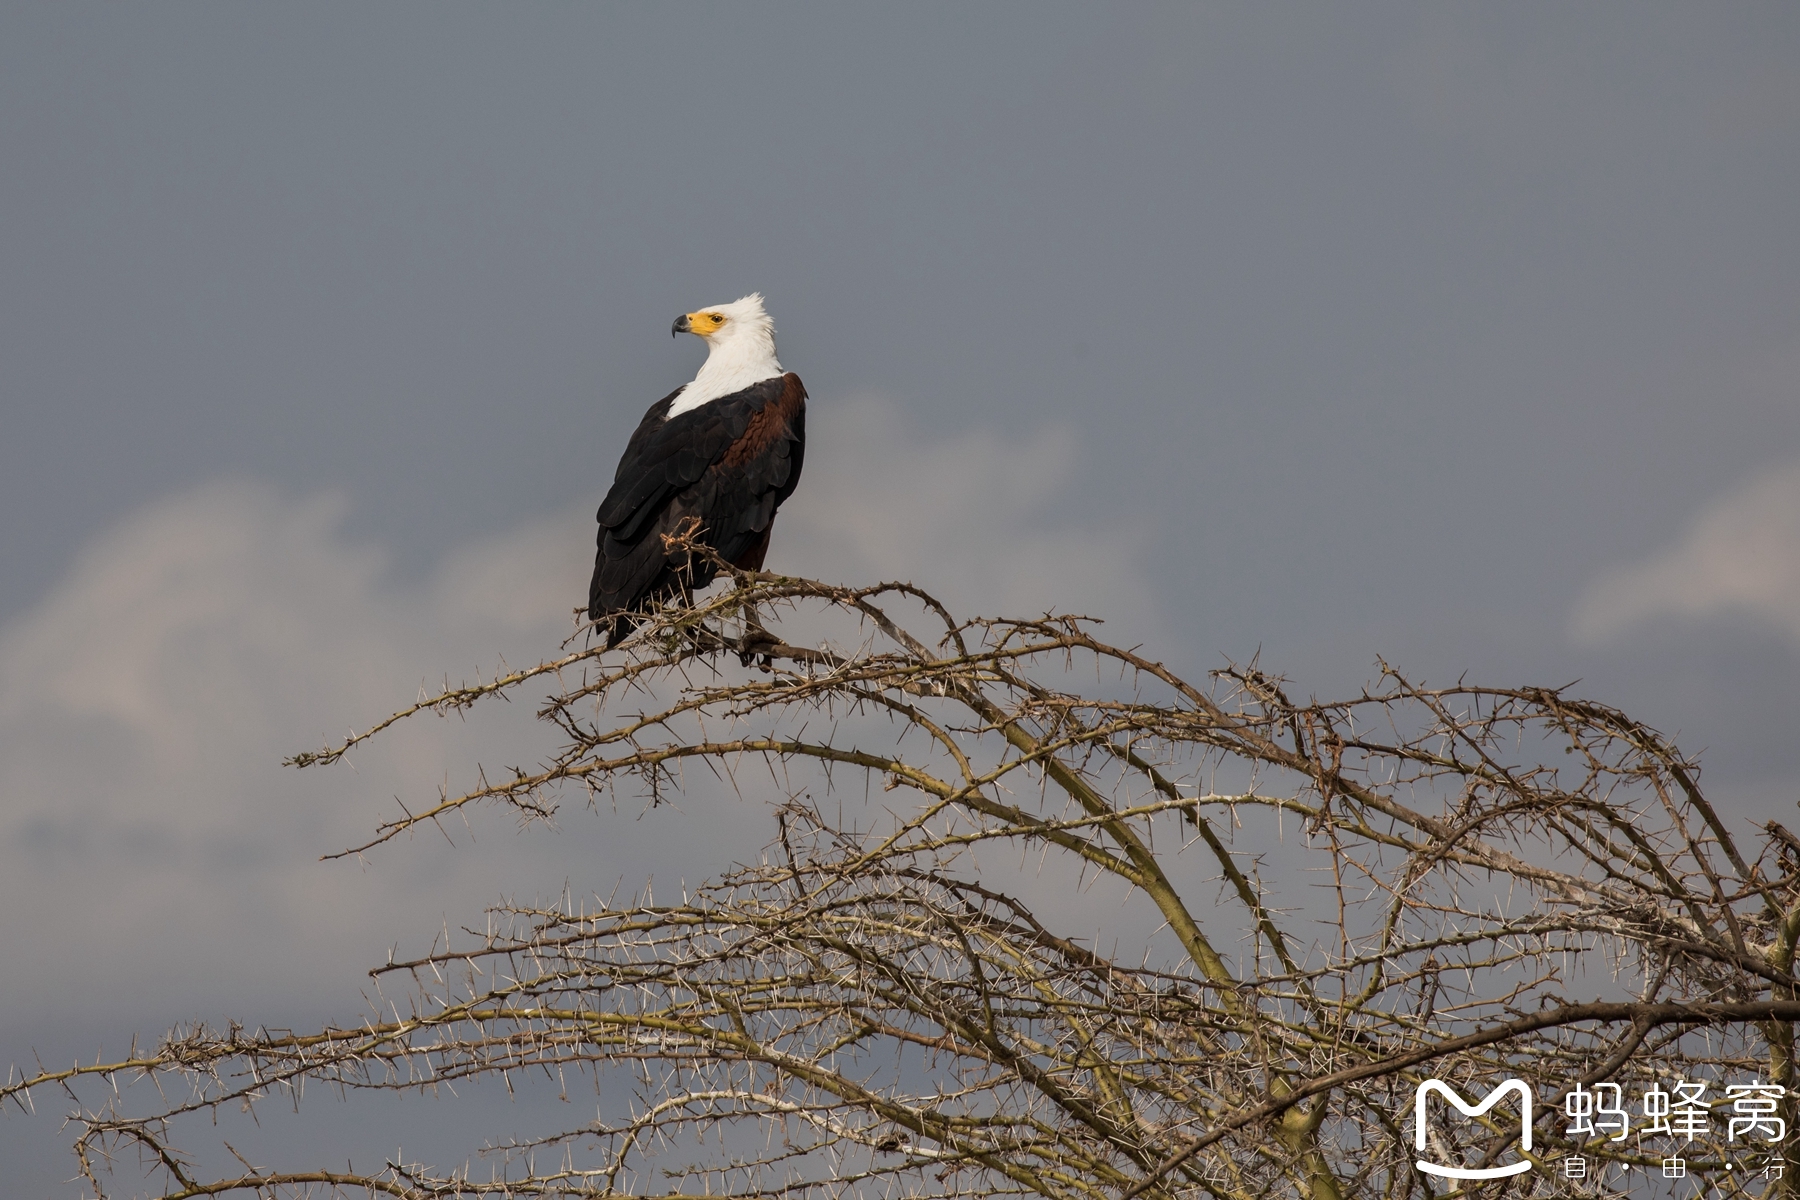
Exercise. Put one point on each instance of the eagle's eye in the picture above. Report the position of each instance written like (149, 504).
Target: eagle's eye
(719, 317)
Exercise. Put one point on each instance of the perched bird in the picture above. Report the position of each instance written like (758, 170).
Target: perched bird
(725, 448)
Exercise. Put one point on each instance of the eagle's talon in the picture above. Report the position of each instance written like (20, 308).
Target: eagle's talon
(756, 638)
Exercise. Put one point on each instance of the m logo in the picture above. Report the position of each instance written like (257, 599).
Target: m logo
(1472, 1110)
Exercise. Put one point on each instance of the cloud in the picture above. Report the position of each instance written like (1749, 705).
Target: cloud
(1741, 554)
(153, 852)
(148, 701)
(964, 517)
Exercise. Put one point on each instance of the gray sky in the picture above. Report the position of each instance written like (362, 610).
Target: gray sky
(1467, 337)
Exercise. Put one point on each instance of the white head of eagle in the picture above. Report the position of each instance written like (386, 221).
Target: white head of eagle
(740, 350)
(725, 448)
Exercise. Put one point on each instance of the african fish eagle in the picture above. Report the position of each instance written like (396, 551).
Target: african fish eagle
(725, 448)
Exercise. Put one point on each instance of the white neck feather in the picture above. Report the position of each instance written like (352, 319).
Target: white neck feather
(740, 355)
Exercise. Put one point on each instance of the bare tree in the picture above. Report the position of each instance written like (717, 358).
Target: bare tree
(1347, 898)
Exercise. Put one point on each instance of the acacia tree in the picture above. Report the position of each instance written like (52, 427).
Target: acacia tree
(1348, 897)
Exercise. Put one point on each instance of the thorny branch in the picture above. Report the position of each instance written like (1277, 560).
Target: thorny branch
(1520, 883)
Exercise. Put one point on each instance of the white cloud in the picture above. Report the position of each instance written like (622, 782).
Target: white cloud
(153, 850)
(1741, 554)
(962, 517)
(148, 701)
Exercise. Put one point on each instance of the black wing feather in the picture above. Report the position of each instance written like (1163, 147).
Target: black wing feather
(731, 463)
